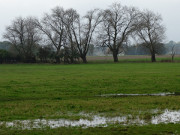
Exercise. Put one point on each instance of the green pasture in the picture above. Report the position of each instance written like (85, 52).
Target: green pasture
(44, 91)
(168, 129)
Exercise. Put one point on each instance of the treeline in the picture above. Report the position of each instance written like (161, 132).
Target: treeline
(64, 36)
(140, 49)
(41, 54)
(173, 46)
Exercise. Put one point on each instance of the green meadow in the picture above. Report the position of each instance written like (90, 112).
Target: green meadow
(45, 91)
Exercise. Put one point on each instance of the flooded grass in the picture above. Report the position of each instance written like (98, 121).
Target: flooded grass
(96, 121)
(135, 95)
(167, 117)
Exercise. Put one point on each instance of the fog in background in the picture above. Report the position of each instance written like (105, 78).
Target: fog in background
(169, 9)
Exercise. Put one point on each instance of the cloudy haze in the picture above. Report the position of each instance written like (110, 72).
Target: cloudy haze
(169, 9)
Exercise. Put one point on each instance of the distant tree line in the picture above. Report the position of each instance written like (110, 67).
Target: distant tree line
(141, 49)
(64, 36)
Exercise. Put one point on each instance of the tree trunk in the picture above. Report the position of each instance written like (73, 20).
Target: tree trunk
(72, 60)
(115, 56)
(153, 57)
(57, 59)
(83, 57)
(173, 57)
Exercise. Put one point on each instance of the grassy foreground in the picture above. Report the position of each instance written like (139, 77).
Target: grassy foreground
(55, 91)
(169, 129)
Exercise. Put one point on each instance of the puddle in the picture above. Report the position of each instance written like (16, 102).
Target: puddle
(97, 121)
(125, 95)
(167, 117)
(36, 124)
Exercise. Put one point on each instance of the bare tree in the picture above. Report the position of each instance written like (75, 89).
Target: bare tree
(83, 30)
(117, 25)
(151, 32)
(52, 26)
(71, 17)
(24, 36)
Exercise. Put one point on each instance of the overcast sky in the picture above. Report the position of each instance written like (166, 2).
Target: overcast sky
(169, 9)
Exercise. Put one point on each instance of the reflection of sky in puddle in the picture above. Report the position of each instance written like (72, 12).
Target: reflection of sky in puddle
(97, 121)
(167, 117)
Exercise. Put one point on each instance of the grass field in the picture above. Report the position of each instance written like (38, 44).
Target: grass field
(59, 91)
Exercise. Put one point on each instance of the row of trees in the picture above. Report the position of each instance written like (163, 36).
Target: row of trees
(70, 36)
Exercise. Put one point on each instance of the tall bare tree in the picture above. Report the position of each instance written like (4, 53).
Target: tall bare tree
(117, 25)
(71, 17)
(52, 26)
(24, 36)
(83, 31)
(151, 32)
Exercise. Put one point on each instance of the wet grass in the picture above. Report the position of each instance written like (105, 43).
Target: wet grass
(161, 129)
(110, 107)
(58, 91)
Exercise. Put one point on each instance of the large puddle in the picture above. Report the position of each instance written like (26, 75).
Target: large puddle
(125, 95)
(96, 121)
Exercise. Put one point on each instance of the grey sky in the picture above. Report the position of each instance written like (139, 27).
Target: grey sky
(169, 9)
